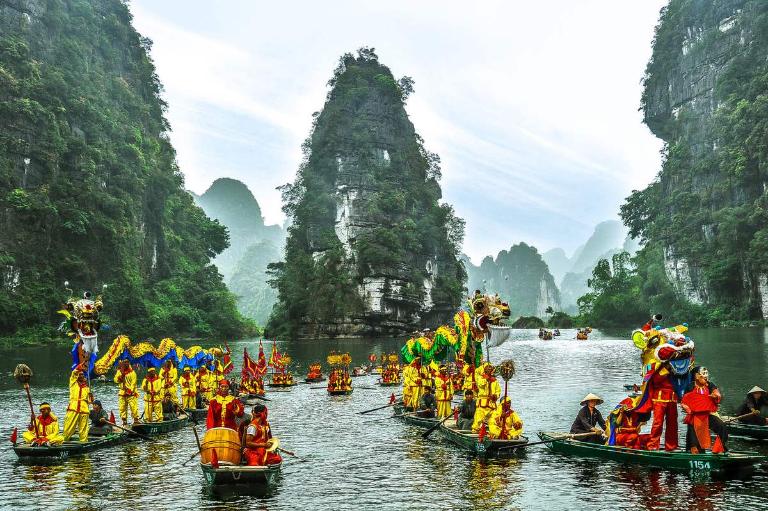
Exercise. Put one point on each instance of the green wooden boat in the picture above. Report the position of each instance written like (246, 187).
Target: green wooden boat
(736, 428)
(196, 414)
(729, 462)
(281, 385)
(241, 475)
(470, 441)
(62, 451)
(414, 420)
(340, 392)
(157, 428)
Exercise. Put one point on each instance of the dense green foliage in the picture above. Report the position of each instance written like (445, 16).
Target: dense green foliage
(528, 322)
(89, 187)
(561, 320)
(363, 141)
(709, 205)
(249, 282)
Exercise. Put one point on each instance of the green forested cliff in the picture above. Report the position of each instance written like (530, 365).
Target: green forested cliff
(89, 187)
(704, 220)
(370, 249)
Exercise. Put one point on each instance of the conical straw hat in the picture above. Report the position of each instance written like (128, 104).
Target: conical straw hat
(590, 397)
(755, 389)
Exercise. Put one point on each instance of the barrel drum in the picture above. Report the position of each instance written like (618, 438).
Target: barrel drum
(226, 443)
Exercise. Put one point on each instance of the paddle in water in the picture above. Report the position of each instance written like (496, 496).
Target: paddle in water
(430, 430)
(132, 432)
(392, 402)
(562, 437)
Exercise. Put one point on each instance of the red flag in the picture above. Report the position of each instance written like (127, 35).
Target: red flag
(14, 435)
(392, 398)
(481, 434)
(261, 365)
(111, 416)
(214, 459)
(249, 366)
(274, 357)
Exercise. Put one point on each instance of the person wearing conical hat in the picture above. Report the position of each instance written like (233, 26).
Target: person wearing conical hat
(488, 391)
(152, 386)
(751, 407)
(47, 428)
(590, 420)
(443, 392)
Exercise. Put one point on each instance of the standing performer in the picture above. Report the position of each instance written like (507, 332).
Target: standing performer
(47, 428)
(170, 375)
(257, 437)
(204, 384)
(470, 383)
(224, 408)
(488, 392)
(188, 389)
(152, 386)
(412, 384)
(77, 411)
(700, 405)
(443, 392)
(127, 396)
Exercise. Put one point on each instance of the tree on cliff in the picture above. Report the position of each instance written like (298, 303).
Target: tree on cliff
(89, 187)
(369, 243)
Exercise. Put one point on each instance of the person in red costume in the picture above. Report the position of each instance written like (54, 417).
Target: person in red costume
(223, 409)
(700, 403)
(257, 437)
(628, 426)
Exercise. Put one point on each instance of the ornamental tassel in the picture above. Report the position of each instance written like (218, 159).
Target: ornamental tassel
(481, 434)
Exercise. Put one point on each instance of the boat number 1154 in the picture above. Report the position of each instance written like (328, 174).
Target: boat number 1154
(699, 465)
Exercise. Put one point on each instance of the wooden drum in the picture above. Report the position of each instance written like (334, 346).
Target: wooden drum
(227, 445)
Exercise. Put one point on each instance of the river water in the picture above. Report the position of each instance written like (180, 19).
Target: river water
(385, 464)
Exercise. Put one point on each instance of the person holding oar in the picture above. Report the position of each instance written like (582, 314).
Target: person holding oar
(100, 425)
(47, 425)
(589, 420)
(152, 386)
(127, 396)
(750, 410)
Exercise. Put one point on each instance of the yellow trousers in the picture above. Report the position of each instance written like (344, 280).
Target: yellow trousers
(444, 408)
(481, 412)
(189, 402)
(412, 399)
(77, 421)
(172, 391)
(126, 403)
(153, 412)
(28, 436)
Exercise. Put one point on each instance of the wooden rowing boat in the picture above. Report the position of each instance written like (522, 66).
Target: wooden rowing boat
(241, 475)
(157, 428)
(731, 461)
(315, 380)
(196, 414)
(736, 428)
(62, 451)
(470, 441)
(281, 385)
(414, 420)
(340, 392)
(389, 384)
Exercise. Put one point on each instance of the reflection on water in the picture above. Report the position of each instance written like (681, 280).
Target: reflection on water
(386, 464)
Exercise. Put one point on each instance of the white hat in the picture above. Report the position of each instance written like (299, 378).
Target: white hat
(755, 389)
(591, 397)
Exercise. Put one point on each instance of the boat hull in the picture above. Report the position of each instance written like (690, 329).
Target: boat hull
(340, 392)
(315, 380)
(240, 475)
(281, 385)
(732, 461)
(747, 430)
(197, 414)
(158, 428)
(415, 420)
(389, 384)
(489, 447)
(67, 449)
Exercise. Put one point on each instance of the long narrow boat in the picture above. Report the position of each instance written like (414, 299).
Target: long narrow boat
(28, 452)
(340, 392)
(315, 380)
(471, 441)
(240, 475)
(389, 384)
(281, 385)
(196, 414)
(157, 428)
(732, 461)
(736, 428)
(414, 420)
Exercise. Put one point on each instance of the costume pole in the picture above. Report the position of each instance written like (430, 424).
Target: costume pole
(23, 375)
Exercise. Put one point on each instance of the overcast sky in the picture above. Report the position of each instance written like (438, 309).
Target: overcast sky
(532, 106)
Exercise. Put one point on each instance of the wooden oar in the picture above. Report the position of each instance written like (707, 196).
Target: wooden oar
(199, 447)
(562, 437)
(367, 388)
(732, 419)
(392, 417)
(132, 432)
(377, 408)
(289, 453)
(430, 430)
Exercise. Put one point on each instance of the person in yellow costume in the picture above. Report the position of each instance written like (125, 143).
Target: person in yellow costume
(127, 395)
(412, 384)
(47, 428)
(428, 374)
(504, 422)
(488, 391)
(218, 374)
(170, 376)
(188, 389)
(153, 396)
(470, 382)
(77, 411)
(443, 392)
(205, 386)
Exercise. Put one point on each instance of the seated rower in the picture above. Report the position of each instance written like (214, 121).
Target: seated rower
(467, 409)
(751, 407)
(504, 423)
(589, 420)
(427, 404)
(257, 440)
(170, 409)
(100, 425)
(47, 428)
(700, 404)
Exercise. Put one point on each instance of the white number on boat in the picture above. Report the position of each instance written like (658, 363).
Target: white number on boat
(699, 465)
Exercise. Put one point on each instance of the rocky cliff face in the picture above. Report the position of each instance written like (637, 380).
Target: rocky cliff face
(370, 249)
(705, 97)
(520, 276)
